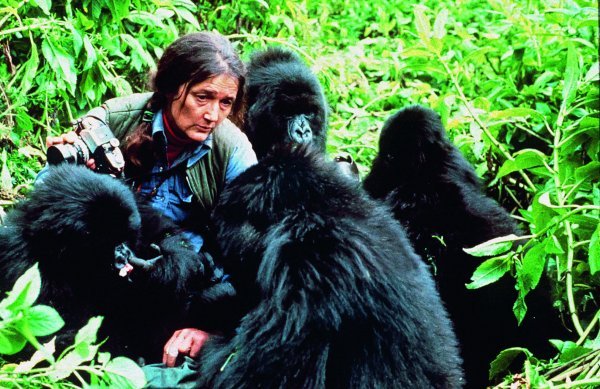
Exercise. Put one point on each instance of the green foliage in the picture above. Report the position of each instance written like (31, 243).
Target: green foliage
(516, 85)
(22, 322)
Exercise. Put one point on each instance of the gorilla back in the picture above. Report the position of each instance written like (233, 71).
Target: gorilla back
(434, 192)
(334, 293)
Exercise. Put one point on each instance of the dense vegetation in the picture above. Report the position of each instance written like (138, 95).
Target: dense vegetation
(516, 84)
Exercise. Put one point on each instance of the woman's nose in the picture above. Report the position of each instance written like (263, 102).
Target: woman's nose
(212, 112)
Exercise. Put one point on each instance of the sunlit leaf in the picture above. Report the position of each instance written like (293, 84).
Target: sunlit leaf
(524, 159)
(571, 75)
(88, 333)
(43, 320)
(123, 372)
(25, 291)
(493, 246)
(489, 272)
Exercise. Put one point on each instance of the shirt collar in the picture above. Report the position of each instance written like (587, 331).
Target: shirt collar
(192, 156)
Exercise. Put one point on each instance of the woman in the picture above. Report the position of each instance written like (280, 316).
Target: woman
(179, 145)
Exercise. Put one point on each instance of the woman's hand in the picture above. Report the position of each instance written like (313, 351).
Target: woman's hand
(69, 137)
(187, 341)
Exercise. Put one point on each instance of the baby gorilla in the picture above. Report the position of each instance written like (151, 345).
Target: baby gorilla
(436, 194)
(285, 102)
(88, 233)
(333, 293)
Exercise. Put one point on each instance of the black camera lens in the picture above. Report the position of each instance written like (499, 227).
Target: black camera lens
(71, 153)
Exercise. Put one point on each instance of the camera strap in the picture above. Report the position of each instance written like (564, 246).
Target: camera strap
(163, 176)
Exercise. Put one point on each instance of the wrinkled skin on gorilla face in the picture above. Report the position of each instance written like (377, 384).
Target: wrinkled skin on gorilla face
(283, 93)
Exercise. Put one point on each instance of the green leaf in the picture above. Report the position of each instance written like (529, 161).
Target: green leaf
(30, 70)
(532, 268)
(47, 349)
(44, 5)
(520, 307)
(90, 52)
(594, 251)
(493, 246)
(123, 372)
(516, 112)
(553, 246)
(44, 320)
(61, 62)
(439, 26)
(11, 341)
(589, 172)
(422, 24)
(489, 272)
(571, 75)
(569, 350)
(524, 159)
(88, 333)
(64, 367)
(505, 358)
(189, 17)
(25, 291)
(118, 8)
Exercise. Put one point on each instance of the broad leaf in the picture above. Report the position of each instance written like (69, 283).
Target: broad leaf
(489, 271)
(524, 159)
(123, 372)
(44, 320)
(505, 358)
(11, 341)
(25, 291)
(494, 246)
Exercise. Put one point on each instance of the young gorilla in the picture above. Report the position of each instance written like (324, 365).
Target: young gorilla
(83, 228)
(435, 193)
(332, 292)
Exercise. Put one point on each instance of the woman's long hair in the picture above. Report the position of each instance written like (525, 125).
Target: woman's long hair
(189, 60)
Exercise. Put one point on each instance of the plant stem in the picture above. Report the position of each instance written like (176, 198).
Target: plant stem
(477, 120)
(589, 328)
(560, 197)
(26, 28)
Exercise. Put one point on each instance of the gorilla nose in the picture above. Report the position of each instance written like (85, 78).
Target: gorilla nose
(299, 129)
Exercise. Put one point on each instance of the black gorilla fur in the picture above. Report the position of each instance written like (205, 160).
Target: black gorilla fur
(435, 192)
(335, 295)
(285, 102)
(71, 224)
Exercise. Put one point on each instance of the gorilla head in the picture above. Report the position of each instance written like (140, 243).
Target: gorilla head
(76, 215)
(282, 92)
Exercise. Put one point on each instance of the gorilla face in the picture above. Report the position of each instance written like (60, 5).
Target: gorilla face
(286, 104)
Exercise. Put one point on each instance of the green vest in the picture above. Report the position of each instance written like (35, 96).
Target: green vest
(206, 177)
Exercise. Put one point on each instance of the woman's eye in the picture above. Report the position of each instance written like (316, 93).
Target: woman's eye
(201, 97)
(227, 103)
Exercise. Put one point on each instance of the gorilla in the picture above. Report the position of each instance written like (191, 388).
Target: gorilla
(436, 194)
(330, 292)
(334, 294)
(102, 253)
(285, 101)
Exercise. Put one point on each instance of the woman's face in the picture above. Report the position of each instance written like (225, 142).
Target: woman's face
(205, 106)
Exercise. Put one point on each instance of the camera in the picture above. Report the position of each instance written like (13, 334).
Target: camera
(97, 142)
